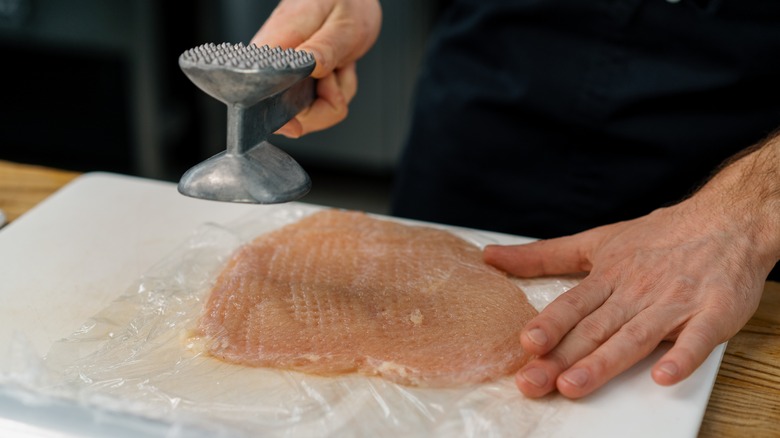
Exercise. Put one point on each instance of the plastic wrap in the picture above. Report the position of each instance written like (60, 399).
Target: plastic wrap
(138, 356)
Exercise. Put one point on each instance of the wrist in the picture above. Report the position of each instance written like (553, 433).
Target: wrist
(746, 191)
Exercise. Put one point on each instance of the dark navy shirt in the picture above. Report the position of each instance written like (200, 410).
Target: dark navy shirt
(548, 117)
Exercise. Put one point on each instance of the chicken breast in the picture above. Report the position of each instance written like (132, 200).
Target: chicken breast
(341, 292)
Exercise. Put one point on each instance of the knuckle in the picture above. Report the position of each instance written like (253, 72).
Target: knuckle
(684, 284)
(638, 334)
(685, 359)
(703, 337)
(598, 364)
(559, 361)
(595, 330)
(576, 301)
(340, 113)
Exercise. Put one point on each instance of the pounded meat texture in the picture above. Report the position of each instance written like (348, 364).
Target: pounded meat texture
(341, 292)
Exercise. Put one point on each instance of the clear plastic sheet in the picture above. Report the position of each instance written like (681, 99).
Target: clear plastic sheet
(138, 356)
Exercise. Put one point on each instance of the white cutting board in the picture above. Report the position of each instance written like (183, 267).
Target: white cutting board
(73, 254)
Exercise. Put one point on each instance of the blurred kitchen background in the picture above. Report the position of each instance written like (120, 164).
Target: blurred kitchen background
(94, 85)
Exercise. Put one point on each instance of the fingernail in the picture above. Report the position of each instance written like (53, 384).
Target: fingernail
(537, 336)
(289, 133)
(577, 377)
(535, 376)
(283, 131)
(669, 368)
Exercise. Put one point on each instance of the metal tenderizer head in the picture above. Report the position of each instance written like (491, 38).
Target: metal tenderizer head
(263, 89)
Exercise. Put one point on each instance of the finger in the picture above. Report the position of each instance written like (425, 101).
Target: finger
(335, 91)
(291, 23)
(542, 333)
(344, 37)
(292, 129)
(690, 350)
(332, 36)
(329, 109)
(632, 343)
(348, 81)
(302, 25)
(561, 255)
(538, 377)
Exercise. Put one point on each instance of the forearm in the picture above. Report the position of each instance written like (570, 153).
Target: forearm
(747, 191)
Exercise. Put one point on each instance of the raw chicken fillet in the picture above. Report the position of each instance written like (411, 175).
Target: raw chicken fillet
(341, 292)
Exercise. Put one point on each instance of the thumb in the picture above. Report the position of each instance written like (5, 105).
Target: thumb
(563, 255)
